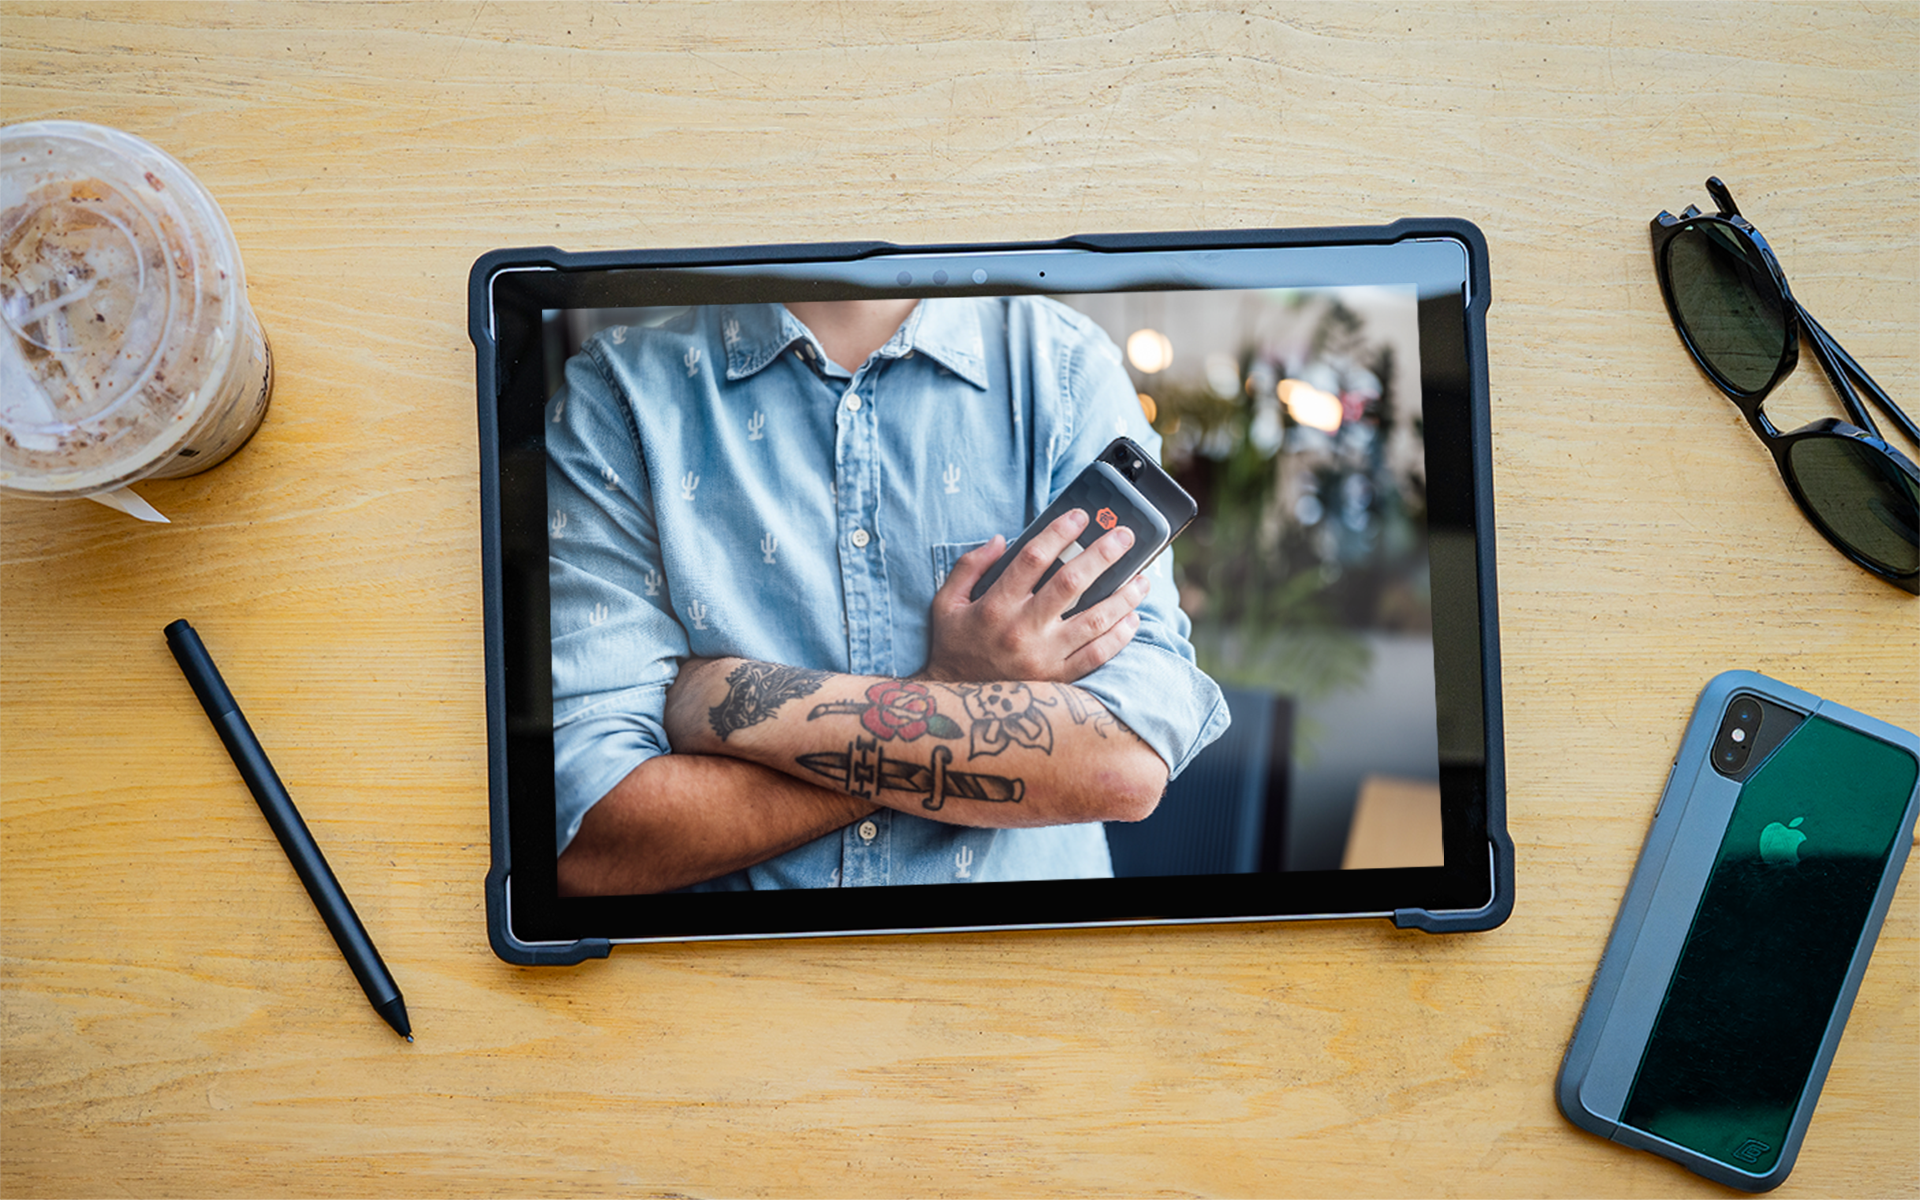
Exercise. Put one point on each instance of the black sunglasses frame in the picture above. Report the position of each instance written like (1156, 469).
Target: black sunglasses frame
(1839, 366)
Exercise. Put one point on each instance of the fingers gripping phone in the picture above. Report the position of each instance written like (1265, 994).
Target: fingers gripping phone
(1746, 929)
(1124, 486)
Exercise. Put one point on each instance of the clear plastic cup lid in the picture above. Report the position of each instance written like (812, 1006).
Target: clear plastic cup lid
(120, 287)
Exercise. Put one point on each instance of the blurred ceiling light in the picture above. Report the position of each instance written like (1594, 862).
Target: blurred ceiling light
(1149, 407)
(1309, 405)
(1149, 351)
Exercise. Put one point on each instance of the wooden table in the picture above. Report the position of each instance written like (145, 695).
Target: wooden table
(176, 1021)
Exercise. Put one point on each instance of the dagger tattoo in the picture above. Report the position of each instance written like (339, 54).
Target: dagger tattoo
(865, 769)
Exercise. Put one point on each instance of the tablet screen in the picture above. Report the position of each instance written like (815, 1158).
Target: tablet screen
(772, 459)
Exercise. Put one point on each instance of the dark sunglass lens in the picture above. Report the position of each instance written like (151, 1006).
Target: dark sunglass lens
(1734, 315)
(1861, 497)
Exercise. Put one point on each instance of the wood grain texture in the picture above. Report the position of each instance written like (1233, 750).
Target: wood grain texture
(173, 1019)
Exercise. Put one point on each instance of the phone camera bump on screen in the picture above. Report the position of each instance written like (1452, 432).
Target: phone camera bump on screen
(1734, 743)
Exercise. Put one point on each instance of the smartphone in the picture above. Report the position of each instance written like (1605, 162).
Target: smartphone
(1124, 486)
(1734, 960)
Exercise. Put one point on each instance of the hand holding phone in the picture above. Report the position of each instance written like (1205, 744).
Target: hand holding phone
(1124, 487)
(1059, 601)
(1020, 629)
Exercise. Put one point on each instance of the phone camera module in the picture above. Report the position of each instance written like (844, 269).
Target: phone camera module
(1734, 743)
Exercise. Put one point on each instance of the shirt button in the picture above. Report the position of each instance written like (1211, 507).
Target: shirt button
(860, 539)
(868, 831)
(853, 403)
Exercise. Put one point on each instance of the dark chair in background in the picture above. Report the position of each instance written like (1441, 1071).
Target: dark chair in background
(1226, 814)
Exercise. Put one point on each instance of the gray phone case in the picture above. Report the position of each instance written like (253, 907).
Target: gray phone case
(1646, 1035)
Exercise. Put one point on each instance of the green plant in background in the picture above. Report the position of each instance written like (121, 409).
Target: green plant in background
(1309, 538)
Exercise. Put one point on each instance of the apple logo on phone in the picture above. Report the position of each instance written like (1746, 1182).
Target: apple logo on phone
(1781, 843)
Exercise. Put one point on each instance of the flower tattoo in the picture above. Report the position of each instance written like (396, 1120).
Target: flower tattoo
(1004, 714)
(898, 709)
(895, 708)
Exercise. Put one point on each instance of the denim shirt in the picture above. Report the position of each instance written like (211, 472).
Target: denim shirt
(716, 486)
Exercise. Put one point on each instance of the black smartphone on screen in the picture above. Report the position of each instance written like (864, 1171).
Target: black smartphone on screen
(1743, 937)
(1124, 486)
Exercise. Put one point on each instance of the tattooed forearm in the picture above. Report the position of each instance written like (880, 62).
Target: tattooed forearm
(865, 769)
(756, 689)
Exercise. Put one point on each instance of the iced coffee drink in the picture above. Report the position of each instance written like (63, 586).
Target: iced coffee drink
(129, 350)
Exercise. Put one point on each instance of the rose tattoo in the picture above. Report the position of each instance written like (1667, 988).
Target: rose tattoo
(895, 708)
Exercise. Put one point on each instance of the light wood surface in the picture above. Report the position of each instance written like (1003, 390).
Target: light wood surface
(1396, 823)
(176, 1021)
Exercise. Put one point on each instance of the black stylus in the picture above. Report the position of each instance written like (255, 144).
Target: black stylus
(307, 861)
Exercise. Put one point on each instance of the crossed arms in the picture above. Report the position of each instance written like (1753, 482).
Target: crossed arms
(768, 757)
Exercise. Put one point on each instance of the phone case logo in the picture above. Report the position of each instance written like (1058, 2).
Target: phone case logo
(1781, 843)
(1751, 1151)
(1106, 518)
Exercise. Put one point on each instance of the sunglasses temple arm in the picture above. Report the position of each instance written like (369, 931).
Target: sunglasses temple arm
(1831, 354)
(1828, 352)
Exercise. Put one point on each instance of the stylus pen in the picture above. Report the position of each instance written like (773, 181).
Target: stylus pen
(307, 861)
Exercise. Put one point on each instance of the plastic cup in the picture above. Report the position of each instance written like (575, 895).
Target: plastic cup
(129, 350)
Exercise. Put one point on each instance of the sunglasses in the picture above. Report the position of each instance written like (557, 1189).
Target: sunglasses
(1730, 303)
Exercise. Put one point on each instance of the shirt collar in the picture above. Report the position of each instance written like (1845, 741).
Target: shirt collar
(946, 329)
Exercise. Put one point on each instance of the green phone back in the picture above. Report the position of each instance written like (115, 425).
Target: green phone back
(1770, 945)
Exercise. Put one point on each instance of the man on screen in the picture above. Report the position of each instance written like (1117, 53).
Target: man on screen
(767, 671)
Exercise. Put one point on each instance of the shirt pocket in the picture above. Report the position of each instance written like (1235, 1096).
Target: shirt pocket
(945, 554)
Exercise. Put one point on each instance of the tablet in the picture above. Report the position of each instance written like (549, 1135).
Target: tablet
(675, 467)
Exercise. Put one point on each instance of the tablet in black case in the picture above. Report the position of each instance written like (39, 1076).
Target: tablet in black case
(1321, 393)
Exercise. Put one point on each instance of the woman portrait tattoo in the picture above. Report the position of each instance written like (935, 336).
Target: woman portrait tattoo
(756, 689)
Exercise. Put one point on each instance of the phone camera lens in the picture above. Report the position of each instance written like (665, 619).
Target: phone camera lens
(1733, 747)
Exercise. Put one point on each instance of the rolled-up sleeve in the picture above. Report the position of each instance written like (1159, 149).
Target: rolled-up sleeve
(1153, 685)
(616, 642)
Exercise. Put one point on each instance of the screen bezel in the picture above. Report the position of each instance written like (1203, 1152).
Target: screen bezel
(1445, 259)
